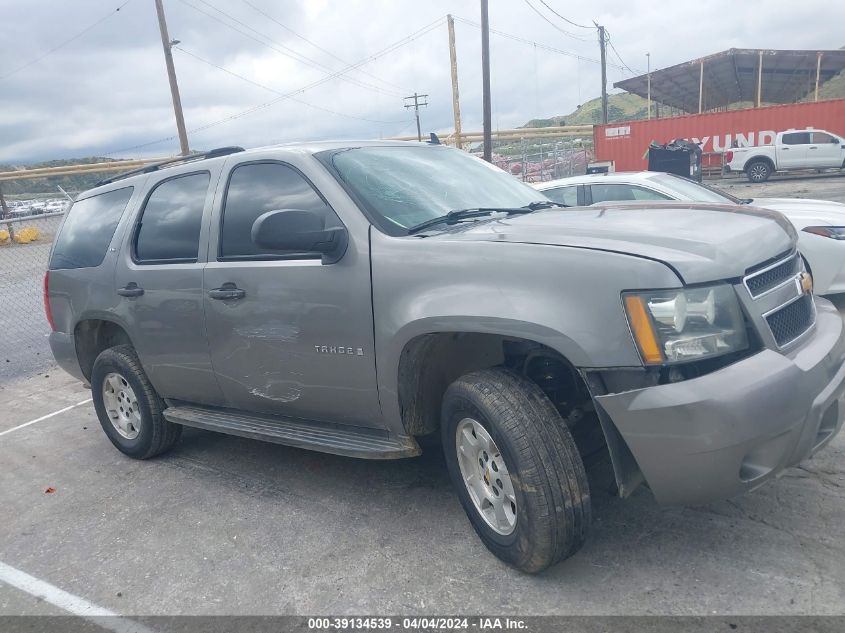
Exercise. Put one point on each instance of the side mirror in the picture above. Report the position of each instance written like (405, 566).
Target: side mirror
(301, 232)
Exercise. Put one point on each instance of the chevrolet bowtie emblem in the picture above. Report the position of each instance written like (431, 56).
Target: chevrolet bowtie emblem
(805, 282)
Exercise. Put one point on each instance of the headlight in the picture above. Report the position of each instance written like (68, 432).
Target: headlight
(835, 232)
(672, 326)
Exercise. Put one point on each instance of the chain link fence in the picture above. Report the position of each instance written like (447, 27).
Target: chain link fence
(532, 160)
(24, 247)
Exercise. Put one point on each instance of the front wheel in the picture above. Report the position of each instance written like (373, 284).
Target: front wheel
(516, 469)
(759, 171)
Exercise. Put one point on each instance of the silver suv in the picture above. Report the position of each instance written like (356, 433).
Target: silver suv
(353, 297)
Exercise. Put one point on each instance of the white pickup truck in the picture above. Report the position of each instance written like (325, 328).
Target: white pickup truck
(793, 149)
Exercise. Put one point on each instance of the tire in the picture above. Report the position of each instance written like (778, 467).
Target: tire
(758, 171)
(139, 428)
(547, 507)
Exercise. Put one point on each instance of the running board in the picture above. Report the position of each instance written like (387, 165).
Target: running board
(317, 436)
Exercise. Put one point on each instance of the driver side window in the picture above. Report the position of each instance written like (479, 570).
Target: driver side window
(254, 189)
(821, 138)
(567, 196)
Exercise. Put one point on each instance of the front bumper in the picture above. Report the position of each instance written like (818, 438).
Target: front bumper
(727, 432)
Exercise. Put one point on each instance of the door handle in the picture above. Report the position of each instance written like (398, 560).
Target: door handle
(130, 290)
(813, 147)
(227, 291)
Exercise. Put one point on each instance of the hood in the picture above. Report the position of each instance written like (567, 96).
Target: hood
(805, 212)
(701, 242)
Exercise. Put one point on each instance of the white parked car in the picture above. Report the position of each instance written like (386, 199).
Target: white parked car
(820, 223)
(794, 149)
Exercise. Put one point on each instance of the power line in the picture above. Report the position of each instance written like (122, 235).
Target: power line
(275, 46)
(280, 48)
(546, 47)
(619, 57)
(65, 42)
(567, 33)
(278, 92)
(385, 51)
(580, 26)
(317, 46)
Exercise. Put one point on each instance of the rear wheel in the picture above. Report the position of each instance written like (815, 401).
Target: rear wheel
(516, 469)
(128, 407)
(759, 171)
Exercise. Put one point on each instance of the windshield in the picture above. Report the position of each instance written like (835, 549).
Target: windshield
(403, 187)
(688, 190)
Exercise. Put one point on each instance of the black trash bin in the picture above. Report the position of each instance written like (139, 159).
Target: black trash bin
(677, 157)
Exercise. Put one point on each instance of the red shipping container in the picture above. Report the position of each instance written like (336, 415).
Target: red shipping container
(627, 143)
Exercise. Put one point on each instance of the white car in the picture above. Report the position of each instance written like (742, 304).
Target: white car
(820, 223)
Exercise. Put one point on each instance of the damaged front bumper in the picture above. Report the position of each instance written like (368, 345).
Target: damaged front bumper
(729, 431)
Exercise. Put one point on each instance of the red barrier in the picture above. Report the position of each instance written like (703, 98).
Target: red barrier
(627, 143)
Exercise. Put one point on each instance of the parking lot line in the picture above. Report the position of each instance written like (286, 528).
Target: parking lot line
(45, 417)
(68, 602)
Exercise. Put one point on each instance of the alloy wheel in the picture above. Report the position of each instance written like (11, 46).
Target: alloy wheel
(486, 476)
(121, 405)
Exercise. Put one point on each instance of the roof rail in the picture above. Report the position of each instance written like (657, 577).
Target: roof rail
(213, 153)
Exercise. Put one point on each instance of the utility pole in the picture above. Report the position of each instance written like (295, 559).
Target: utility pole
(416, 106)
(485, 83)
(648, 57)
(453, 63)
(603, 48)
(167, 44)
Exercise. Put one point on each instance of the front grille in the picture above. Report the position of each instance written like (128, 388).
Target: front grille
(761, 282)
(792, 320)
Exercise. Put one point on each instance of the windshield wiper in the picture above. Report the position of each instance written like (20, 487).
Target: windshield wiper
(545, 204)
(453, 217)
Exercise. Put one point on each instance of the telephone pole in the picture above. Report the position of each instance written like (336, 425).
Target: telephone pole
(648, 58)
(416, 106)
(603, 47)
(167, 44)
(453, 63)
(485, 83)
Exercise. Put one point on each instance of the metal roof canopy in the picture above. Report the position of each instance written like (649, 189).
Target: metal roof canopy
(739, 74)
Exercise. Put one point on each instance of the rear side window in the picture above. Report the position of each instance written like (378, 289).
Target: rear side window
(256, 188)
(169, 229)
(647, 194)
(796, 138)
(605, 193)
(88, 230)
(563, 195)
(617, 192)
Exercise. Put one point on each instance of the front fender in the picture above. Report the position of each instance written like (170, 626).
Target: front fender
(565, 298)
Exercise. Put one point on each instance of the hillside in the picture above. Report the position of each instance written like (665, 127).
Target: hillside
(620, 107)
(833, 89)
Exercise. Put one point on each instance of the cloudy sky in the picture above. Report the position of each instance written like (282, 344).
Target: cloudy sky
(254, 72)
